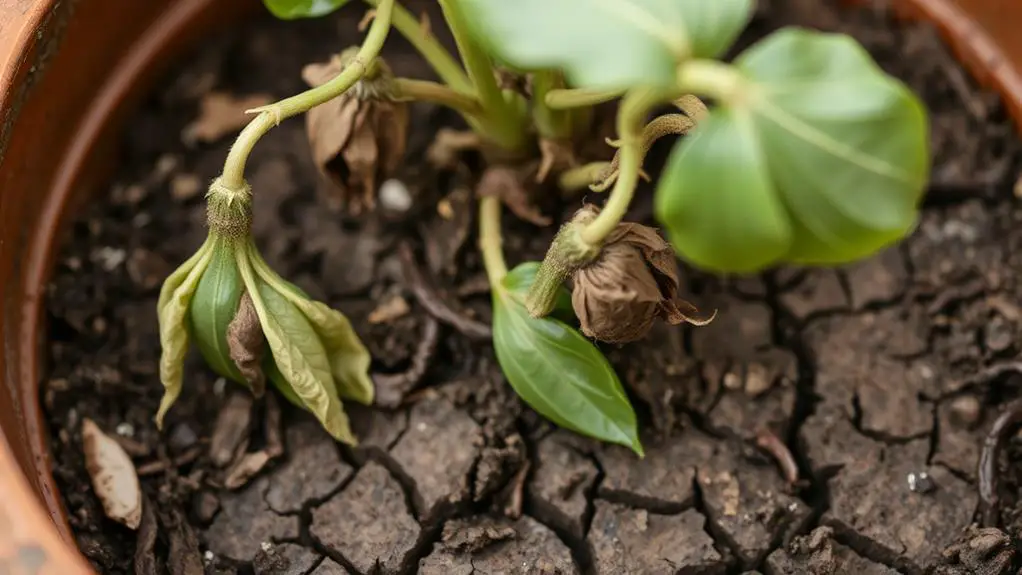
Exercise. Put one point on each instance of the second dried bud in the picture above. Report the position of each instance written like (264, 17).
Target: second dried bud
(633, 282)
(358, 138)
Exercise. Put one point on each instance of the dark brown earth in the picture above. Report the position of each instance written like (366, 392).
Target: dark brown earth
(894, 366)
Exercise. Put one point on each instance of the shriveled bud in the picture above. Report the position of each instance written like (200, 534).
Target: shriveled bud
(358, 138)
(633, 281)
(237, 309)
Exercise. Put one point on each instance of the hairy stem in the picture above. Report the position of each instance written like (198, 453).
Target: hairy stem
(565, 98)
(426, 91)
(442, 62)
(630, 118)
(269, 116)
(490, 240)
(501, 123)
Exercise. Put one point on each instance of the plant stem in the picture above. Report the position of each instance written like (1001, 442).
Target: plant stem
(712, 78)
(442, 62)
(426, 91)
(630, 118)
(269, 116)
(579, 177)
(553, 124)
(564, 98)
(490, 240)
(501, 122)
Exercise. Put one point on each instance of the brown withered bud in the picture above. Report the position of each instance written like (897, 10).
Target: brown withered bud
(628, 286)
(358, 138)
(246, 344)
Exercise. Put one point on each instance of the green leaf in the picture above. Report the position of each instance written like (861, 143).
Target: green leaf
(561, 374)
(519, 280)
(349, 358)
(298, 353)
(294, 9)
(830, 159)
(214, 306)
(172, 312)
(607, 43)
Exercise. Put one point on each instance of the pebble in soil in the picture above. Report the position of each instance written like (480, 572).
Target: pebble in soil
(858, 364)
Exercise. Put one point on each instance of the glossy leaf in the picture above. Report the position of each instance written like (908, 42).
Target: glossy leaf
(299, 355)
(294, 9)
(828, 161)
(214, 306)
(607, 43)
(172, 313)
(561, 374)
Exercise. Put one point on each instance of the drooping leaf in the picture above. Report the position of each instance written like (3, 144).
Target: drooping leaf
(214, 306)
(819, 131)
(298, 354)
(294, 9)
(172, 313)
(518, 280)
(607, 43)
(561, 374)
(349, 359)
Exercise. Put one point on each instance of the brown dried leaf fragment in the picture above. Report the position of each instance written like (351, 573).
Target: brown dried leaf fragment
(221, 114)
(113, 476)
(246, 345)
(555, 157)
(629, 285)
(506, 184)
(358, 138)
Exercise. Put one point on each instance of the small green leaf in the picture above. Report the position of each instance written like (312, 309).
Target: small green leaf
(294, 9)
(828, 161)
(520, 279)
(561, 374)
(214, 306)
(607, 43)
(298, 353)
(172, 313)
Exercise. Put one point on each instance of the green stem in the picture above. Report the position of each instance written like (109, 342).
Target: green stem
(630, 118)
(501, 123)
(553, 124)
(490, 240)
(425, 91)
(712, 78)
(564, 98)
(442, 62)
(579, 177)
(269, 116)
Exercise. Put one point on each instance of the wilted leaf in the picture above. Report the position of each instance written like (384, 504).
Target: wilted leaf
(298, 353)
(246, 343)
(172, 313)
(560, 373)
(294, 9)
(823, 160)
(113, 476)
(607, 43)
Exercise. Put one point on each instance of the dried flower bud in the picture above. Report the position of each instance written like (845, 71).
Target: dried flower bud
(236, 308)
(358, 138)
(634, 281)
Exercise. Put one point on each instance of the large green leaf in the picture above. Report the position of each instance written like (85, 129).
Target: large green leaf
(214, 306)
(560, 373)
(828, 161)
(294, 9)
(607, 43)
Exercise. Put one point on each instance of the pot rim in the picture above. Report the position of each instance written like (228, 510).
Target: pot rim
(41, 541)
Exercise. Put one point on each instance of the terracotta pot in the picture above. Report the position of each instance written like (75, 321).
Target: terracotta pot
(69, 72)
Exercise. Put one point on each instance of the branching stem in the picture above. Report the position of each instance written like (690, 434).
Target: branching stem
(269, 116)
(426, 91)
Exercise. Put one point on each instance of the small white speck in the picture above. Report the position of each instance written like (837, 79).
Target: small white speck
(125, 429)
(109, 257)
(267, 546)
(394, 195)
(219, 386)
(208, 556)
(793, 507)
(421, 427)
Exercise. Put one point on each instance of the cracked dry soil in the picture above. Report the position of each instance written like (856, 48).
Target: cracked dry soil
(867, 373)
